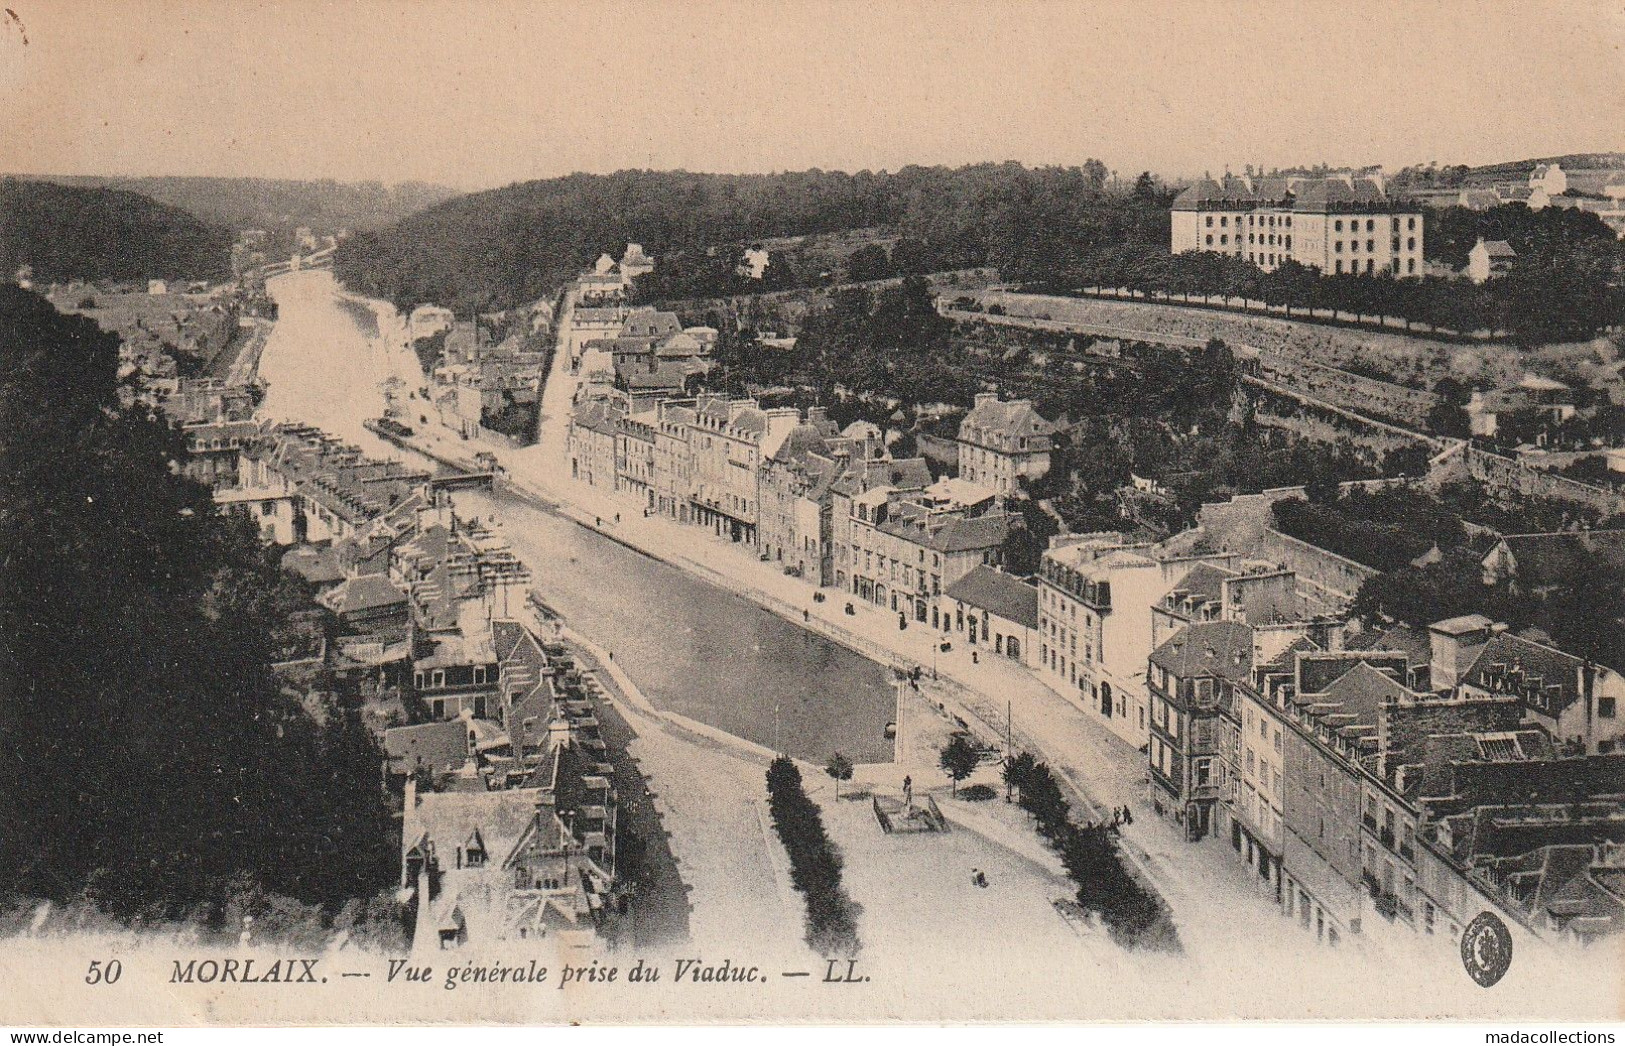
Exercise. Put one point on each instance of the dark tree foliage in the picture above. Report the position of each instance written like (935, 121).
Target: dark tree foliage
(512, 245)
(66, 233)
(1133, 915)
(1562, 288)
(1024, 548)
(278, 205)
(1452, 231)
(147, 753)
(958, 759)
(1584, 615)
(1385, 529)
(815, 865)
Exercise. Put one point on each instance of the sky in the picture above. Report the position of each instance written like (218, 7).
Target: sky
(480, 94)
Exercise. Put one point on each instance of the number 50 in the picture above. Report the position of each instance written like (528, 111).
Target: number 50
(108, 974)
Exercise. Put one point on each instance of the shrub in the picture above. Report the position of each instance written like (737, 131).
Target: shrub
(978, 793)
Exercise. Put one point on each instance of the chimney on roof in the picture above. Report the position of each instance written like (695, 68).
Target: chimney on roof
(1455, 644)
(986, 397)
(558, 733)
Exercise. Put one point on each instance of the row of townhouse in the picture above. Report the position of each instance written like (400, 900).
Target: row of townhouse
(301, 485)
(827, 506)
(510, 812)
(1357, 779)
(1104, 604)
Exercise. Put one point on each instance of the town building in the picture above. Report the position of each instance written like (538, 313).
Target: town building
(726, 443)
(635, 457)
(906, 547)
(634, 263)
(1192, 681)
(532, 863)
(993, 611)
(674, 459)
(868, 468)
(1534, 403)
(795, 528)
(1575, 702)
(1338, 225)
(1000, 442)
(300, 485)
(1491, 258)
(591, 440)
(1549, 177)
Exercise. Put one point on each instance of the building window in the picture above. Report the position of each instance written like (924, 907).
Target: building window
(1210, 239)
(1410, 266)
(1210, 221)
(1605, 708)
(1223, 240)
(1223, 221)
(1371, 245)
(1370, 225)
(1337, 226)
(1410, 244)
(1337, 247)
(1340, 268)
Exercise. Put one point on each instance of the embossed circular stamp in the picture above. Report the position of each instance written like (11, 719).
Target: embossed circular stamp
(1486, 949)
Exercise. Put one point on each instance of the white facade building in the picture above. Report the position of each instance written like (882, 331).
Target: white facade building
(1337, 225)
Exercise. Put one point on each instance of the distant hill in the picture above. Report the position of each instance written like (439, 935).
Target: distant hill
(507, 246)
(1519, 169)
(78, 232)
(280, 206)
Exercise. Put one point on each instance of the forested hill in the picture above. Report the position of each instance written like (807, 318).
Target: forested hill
(512, 245)
(278, 205)
(70, 232)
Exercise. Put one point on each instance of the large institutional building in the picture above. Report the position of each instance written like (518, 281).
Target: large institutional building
(1338, 225)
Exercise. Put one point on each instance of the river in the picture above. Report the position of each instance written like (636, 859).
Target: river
(692, 647)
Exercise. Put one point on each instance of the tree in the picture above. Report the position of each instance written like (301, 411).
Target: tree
(840, 768)
(959, 759)
(1016, 771)
(128, 603)
(869, 262)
